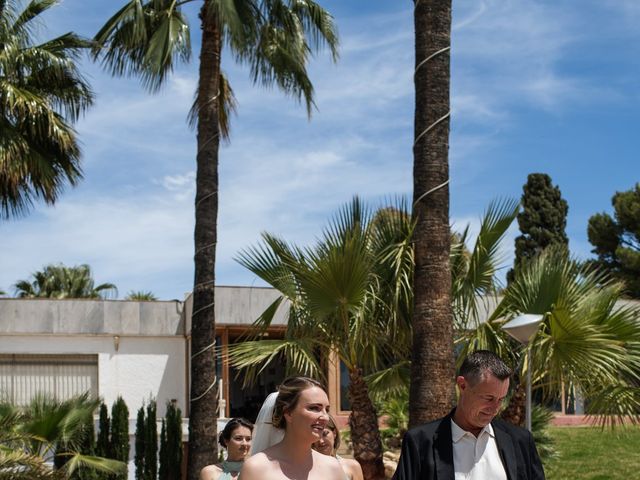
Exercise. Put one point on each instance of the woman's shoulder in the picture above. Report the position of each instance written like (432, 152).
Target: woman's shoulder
(326, 462)
(210, 472)
(353, 468)
(256, 460)
(256, 466)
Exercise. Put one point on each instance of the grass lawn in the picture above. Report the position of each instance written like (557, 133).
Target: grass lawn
(593, 454)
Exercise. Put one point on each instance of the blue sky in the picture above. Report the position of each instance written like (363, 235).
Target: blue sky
(537, 86)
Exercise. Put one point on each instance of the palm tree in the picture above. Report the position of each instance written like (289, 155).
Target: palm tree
(345, 299)
(586, 340)
(31, 437)
(141, 296)
(275, 38)
(474, 293)
(432, 365)
(58, 281)
(42, 94)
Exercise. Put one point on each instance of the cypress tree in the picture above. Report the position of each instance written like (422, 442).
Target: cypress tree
(120, 433)
(151, 443)
(140, 444)
(542, 221)
(174, 442)
(163, 472)
(102, 444)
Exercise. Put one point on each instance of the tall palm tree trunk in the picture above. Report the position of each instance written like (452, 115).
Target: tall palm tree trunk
(204, 394)
(363, 421)
(432, 368)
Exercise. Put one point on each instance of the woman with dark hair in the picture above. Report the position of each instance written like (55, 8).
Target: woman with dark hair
(236, 439)
(329, 444)
(288, 424)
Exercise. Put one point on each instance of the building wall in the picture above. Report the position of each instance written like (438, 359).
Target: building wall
(140, 369)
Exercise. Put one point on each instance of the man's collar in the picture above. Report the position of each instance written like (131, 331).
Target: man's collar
(457, 433)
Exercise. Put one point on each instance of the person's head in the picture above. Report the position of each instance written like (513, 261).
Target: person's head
(483, 381)
(302, 407)
(330, 441)
(236, 438)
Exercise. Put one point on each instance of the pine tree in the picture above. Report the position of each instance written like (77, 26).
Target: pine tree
(163, 472)
(120, 433)
(151, 443)
(617, 240)
(174, 441)
(140, 444)
(542, 221)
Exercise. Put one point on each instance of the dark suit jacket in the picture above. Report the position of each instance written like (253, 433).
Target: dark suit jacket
(427, 452)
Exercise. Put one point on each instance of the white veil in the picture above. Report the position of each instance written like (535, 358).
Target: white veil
(264, 433)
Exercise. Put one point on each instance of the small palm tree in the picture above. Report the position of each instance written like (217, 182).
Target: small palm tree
(474, 292)
(586, 340)
(42, 93)
(31, 437)
(345, 299)
(141, 296)
(58, 281)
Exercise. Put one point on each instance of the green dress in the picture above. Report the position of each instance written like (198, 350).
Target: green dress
(228, 468)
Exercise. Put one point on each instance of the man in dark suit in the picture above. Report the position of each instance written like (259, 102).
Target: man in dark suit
(470, 443)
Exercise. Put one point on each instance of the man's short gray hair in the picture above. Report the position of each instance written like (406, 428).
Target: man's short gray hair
(481, 362)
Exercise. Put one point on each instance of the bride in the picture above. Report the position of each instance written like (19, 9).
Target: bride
(289, 422)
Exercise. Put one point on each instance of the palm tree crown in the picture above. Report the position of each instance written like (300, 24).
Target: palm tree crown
(42, 93)
(58, 281)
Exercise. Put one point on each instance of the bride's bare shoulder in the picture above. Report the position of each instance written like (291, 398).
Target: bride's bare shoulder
(256, 467)
(255, 461)
(329, 465)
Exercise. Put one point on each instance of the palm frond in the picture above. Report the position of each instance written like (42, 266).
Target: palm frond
(144, 40)
(252, 357)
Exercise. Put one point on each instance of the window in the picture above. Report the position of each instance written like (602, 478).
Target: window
(61, 376)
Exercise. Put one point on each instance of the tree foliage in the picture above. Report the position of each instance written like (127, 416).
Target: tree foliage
(542, 220)
(42, 94)
(173, 422)
(59, 281)
(33, 436)
(102, 442)
(163, 470)
(139, 457)
(617, 239)
(587, 339)
(119, 438)
(141, 296)
(347, 297)
(150, 443)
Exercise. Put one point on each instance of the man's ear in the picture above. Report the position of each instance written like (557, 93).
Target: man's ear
(461, 382)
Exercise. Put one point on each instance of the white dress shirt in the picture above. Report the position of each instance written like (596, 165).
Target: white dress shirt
(476, 458)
